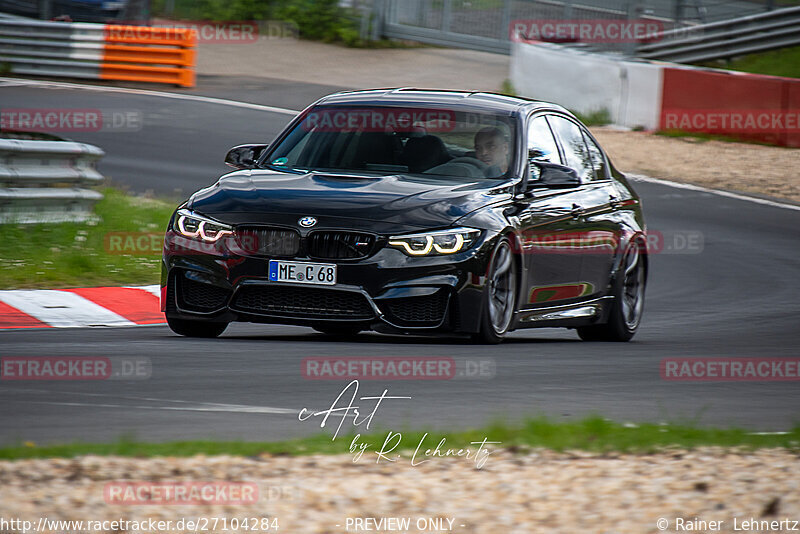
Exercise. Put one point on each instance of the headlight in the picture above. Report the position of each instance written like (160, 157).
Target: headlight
(192, 225)
(436, 243)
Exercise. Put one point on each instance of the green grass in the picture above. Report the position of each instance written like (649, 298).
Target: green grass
(593, 434)
(465, 5)
(317, 20)
(783, 62)
(599, 117)
(507, 88)
(702, 137)
(75, 255)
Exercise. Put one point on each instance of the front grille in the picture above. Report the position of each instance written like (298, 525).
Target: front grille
(303, 302)
(199, 296)
(339, 245)
(417, 311)
(266, 241)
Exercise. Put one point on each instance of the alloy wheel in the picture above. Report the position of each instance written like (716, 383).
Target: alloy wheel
(633, 287)
(502, 289)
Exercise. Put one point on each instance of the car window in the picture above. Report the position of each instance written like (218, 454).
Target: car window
(389, 140)
(598, 160)
(541, 143)
(575, 152)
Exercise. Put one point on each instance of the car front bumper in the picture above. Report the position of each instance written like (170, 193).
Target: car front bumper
(387, 291)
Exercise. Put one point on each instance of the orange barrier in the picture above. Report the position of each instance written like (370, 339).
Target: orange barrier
(183, 57)
(142, 73)
(149, 54)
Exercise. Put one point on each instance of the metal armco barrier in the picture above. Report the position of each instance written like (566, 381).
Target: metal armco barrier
(727, 39)
(99, 51)
(44, 181)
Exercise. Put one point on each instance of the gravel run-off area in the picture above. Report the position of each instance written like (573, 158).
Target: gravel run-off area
(742, 167)
(530, 492)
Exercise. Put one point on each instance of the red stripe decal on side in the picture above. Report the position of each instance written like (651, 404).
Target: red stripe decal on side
(136, 305)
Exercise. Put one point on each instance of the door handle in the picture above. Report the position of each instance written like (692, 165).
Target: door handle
(576, 211)
(613, 201)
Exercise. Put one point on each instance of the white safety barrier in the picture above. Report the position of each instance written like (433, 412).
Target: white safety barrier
(587, 82)
(45, 181)
(657, 95)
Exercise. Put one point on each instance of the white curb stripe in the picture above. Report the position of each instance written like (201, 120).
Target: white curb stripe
(691, 187)
(154, 290)
(146, 92)
(61, 309)
(203, 407)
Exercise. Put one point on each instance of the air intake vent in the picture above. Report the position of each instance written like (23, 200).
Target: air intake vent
(303, 302)
(426, 310)
(199, 296)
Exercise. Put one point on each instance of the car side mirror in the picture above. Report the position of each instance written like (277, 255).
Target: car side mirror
(552, 175)
(244, 156)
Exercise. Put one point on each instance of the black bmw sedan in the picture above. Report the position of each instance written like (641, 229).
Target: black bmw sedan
(413, 211)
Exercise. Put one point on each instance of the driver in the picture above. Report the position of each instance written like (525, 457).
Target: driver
(492, 148)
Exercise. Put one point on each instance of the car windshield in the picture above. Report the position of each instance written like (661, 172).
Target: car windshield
(381, 140)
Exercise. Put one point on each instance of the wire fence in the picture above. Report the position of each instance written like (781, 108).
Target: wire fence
(487, 24)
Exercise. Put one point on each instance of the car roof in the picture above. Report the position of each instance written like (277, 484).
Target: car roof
(413, 97)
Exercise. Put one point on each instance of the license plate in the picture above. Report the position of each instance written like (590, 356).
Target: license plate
(302, 272)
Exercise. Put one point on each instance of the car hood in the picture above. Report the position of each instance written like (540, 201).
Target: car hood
(376, 203)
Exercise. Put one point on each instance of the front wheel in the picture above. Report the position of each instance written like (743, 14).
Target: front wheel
(501, 298)
(628, 304)
(190, 328)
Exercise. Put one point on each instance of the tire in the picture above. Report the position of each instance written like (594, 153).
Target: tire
(501, 299)
(628, 303)
(190, 328)
(337, 330)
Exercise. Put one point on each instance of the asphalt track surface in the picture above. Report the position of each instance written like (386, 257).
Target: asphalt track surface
(737, 297)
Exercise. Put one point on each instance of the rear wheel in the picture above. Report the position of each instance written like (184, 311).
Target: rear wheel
(498, 310)
(628, 304)
(190, 328)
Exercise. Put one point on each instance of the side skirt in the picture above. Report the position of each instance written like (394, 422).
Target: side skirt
(568, 315)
